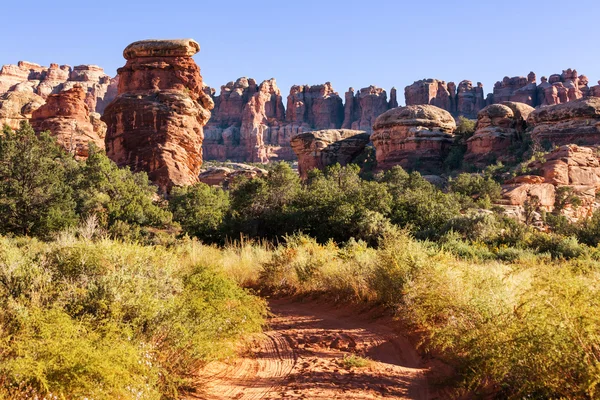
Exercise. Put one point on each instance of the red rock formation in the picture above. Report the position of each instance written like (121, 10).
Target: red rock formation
(17, 106)
(156, 122)
(414, 137)
(469, 99)
(259, 134)
(571, 166)
(517, 89)
(318, 149)
(364, 107)
(464, 100)
(99, 87)
(430, 91)
(499, 126)
(393, 103)
(574, 122)
(318, 106)
(67, 117)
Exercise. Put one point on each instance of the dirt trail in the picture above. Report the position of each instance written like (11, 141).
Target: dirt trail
(300, 356)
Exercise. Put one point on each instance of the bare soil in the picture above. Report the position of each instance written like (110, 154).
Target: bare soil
(301, 356)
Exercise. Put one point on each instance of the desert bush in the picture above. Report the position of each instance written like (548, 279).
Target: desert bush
(114, 320)
(476, 187)
(116, 195)
(35, 197)
(528, 332)
(200, 209)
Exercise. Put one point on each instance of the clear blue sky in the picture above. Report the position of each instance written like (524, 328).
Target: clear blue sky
(348, 42)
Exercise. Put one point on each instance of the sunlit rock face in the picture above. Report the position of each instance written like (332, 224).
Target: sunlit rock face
(155, 124)
(319, 149)
(415, 137)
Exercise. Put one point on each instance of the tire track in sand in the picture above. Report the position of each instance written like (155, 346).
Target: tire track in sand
(300, 357)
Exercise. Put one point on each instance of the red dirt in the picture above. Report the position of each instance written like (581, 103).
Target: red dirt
(300, 356)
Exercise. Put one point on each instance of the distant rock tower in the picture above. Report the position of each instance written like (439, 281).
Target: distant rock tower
(155, 124)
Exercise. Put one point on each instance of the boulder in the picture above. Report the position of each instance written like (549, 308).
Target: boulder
(221, 176)
(318, 149)
(414, 137)
(67, 117)
(574, 167)
(499, 126)
(155, 124)
(574, 122)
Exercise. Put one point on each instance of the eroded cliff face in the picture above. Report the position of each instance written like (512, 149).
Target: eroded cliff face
(66, 115)
(570, 167)
(262, 130)
(155, 124)
(26, 77)
(467, 100)
(462, 100)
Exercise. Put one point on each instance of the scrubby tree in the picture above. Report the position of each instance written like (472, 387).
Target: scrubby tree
(200, 209)
(419, 205)
(35, 197)
(116, 194)
(264, 207)
(337, 204)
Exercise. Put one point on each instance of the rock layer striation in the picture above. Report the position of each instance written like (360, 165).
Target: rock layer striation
(416, 137)
(155, 124)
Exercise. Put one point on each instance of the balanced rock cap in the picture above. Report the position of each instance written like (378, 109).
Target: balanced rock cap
(162, 48)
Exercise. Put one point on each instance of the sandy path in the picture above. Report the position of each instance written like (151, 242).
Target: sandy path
(299, 357)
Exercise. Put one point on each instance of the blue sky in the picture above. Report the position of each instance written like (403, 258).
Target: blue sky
(350, 43)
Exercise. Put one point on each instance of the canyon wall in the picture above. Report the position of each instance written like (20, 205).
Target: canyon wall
(249, 122)
(467, 100)
(25, 77)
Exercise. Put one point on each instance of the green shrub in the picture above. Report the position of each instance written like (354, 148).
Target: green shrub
(35, 197)
(200, 209)
(113, 320)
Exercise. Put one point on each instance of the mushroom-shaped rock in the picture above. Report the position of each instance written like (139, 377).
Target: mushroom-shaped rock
(67, 117)
(498, 127)
(575, 122)
(161, 48)
(318, 149)
(415, 137)
(155, 124)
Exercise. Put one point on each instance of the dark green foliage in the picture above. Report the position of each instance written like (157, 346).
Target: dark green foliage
(35, 197)
(200, 209)
(464, 130)
(116, 194)
(465, 127)
(482, 189)
(263, 207)
(419, 205)
(337, 204)
(565, 197)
